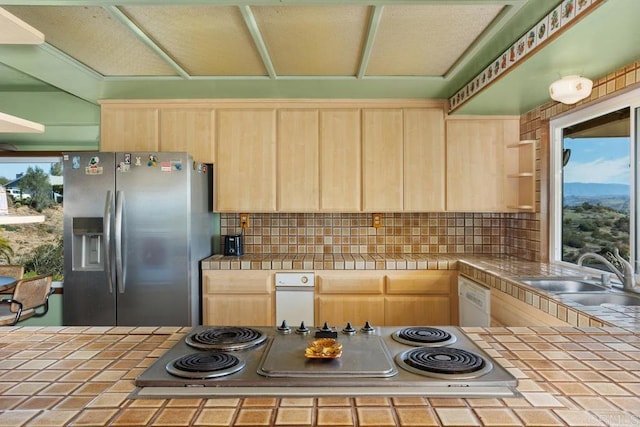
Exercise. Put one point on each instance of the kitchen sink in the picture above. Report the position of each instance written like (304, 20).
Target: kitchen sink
(563, 284)
(602, 298)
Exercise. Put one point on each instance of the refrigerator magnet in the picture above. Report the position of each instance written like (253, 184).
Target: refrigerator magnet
(176, 165)
(165, 167)
(127, 158)
(93, 168)
(75, 162)
(138, 161)
(123, 167)
(153, 161)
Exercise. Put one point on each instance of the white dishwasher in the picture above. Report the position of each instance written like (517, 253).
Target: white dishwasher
(474, 303)
(295, 298)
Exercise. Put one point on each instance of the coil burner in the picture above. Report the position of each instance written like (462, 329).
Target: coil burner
(229, 338)
(423, 336)
(444, 362)
(205, 365)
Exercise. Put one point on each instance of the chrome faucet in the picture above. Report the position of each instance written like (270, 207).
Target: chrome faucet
(626, 276)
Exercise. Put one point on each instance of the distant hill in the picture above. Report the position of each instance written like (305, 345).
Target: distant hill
(615, 196)
(582, 189)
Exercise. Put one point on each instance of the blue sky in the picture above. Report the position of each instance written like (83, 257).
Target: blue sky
(9, 170)
(601, 160)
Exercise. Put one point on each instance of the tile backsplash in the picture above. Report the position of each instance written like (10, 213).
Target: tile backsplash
(353, 233)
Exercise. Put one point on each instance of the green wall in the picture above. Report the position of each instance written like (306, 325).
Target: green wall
(53, 316)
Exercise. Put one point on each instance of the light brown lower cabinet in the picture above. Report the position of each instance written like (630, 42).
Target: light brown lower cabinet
(417, 310)
(384, 297)
(509, 311)
(338, 310)
(238, 298)
(387, 298)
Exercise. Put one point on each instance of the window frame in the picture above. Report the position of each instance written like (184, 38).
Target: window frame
(631, 100)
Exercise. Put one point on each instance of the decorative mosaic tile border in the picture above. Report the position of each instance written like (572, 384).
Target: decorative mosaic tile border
(565, 14)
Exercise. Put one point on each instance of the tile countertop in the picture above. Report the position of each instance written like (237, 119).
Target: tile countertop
(494, 271)
(82, 376)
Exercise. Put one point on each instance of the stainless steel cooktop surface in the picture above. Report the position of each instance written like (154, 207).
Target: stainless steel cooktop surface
(442, 361)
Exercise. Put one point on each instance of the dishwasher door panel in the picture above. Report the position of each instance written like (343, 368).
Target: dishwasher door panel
(295, 305)
(474, 303)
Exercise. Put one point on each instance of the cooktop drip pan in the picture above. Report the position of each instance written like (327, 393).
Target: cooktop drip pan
(363, 356)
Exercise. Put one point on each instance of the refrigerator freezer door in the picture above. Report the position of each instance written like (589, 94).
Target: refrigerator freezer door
(154, 196)
(88, 298)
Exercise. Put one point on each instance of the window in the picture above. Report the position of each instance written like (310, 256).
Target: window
(593, 181)
(34, 187)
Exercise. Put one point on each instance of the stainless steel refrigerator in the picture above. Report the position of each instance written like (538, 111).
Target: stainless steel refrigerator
(136, 226)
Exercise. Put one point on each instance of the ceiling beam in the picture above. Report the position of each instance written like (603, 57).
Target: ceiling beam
(13, 124)
(142, 36)
(16, 31)
(374, 23)
(252, 26)
(52, 66)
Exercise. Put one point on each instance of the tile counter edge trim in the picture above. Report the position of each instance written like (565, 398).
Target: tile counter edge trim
(574, 314)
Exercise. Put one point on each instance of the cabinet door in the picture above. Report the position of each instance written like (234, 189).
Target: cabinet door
(382, 156)
(337, 310)
(238, 310)
(188, 129)
(424, 160)
(237, 282)
(421, 282)
(129, 129)
(340, 160)
(509, 311)
(350, 282)
(245, 155)
(475, 165)
(297, 167)
(418, 310)
(232, 297)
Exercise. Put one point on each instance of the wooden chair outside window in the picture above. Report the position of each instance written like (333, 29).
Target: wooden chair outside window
(12, 271)
(30, 298)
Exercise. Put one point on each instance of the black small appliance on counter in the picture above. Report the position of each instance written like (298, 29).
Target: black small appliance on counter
(233, 245)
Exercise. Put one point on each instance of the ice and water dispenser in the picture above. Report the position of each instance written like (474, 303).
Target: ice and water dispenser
(88, 244)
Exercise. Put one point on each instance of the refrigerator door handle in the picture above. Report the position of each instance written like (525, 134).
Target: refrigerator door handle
(121, 268)
(106, 232)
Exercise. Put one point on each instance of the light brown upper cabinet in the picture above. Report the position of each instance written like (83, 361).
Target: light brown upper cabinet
(424, 160)
(476, 171)
(190, 130)
(382, 160)
(340, 160)
(148, 126)
(297, 166)
(129, 128)
(245, 160)
(287, 155)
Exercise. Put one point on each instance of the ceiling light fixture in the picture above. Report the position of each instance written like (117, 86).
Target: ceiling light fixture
(570, 89)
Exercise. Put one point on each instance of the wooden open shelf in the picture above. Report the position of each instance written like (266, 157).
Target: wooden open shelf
(521, 176)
